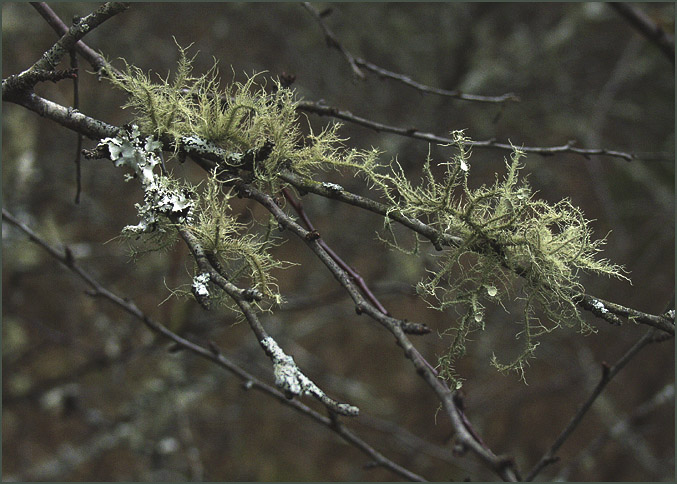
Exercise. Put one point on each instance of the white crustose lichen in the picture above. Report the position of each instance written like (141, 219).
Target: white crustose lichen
(599, 306)
(288, 377)
(332, 186)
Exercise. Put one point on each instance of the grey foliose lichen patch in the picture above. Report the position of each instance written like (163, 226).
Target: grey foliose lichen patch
(162, 195)
(200, 284)
(599, 306)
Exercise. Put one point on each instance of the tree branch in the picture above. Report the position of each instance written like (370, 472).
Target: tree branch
(332, 40)
(89, 54)
(466, 438)
(601, 308)
(17, 85)
(648, 28)
(212, 353)
(324, 110)
(607, 375)
(456, 94)
(356, 63)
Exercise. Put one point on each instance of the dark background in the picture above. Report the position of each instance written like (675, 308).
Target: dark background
(90, 394)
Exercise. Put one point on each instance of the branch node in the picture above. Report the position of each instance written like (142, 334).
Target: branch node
(313, 235)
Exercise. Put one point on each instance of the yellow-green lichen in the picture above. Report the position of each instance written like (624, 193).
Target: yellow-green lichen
(238, 118)
(507, 244)
(512, 246)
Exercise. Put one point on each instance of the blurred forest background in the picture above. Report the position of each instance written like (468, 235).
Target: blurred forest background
(90, 394)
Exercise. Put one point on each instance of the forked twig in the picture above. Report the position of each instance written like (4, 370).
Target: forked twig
(608, 372)
(212, 353)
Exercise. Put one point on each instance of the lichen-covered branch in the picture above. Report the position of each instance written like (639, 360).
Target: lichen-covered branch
(94, 59)
(496, 243)
(212, 353)
(504, 467)
(18, 84)
(168, 205)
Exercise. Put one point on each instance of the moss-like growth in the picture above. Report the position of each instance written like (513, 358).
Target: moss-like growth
(511, 245)
(507, 244)
(236, 250)
(239, 118)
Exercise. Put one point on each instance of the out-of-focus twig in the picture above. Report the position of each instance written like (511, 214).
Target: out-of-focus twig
(332, 40)
(456, 94)
(665, 395)
(356, 63)
(647, 27)
(608, 372)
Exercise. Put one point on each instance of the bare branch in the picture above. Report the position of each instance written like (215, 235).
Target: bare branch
(664, 396)
(324, 110)
(647, 27)
(298, 206)
(356, 63)
(607, 375)
(456, 94)
(332, 41)
(89, 54)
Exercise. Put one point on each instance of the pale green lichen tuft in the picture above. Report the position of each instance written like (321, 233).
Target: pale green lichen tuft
(240, 252)
(240, 118)
(511, 246)
(507, 244)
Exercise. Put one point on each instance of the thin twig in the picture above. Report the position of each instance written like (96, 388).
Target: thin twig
(332, 40)
(456, 94)
(607, 375)
(610, 311)
(356, 63)
(665, 395)
(89, 54)
(51, 58)
(212, 353)
(78, 147)
(647, 27)
(359, 280)
(324, 110)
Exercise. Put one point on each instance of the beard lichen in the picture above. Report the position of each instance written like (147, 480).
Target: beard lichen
(510, 246)
(506, 245)
(239, 253)
(240, 118)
